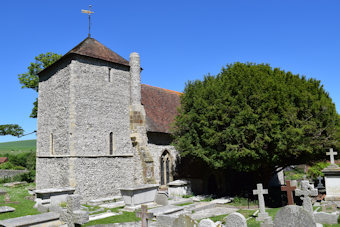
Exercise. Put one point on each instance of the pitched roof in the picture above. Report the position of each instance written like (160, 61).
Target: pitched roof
(160, 107)
(3, 159)
(92, 48)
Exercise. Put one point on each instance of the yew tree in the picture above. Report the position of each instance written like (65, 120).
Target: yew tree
(252, 117)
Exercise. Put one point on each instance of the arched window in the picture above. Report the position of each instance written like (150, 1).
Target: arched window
(165, 167)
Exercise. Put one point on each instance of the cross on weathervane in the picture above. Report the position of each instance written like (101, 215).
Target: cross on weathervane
(89, 12)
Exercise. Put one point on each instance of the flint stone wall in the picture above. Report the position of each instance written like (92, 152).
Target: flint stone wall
(81, 104)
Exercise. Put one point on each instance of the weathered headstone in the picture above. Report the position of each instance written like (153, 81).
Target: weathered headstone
(185, 221)
(306, 191)
(73, 215)
(260, 192)
(161, 198)
(289, 189)
(206, 223)
(292, 216)
(326, 218)
(144, 215)
(235, 220)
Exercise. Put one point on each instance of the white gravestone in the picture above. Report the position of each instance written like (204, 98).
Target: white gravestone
(306, 191)
(263, 215)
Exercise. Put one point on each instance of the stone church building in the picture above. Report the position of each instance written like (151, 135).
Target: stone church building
(99, 128)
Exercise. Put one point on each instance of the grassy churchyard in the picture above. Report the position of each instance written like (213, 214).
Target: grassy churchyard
(22, 201)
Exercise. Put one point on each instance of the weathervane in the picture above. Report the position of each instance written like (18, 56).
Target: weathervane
(89, 12)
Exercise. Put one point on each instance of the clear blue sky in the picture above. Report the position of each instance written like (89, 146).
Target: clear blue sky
(177, 40)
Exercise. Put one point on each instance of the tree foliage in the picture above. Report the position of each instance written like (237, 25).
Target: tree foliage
(11, 129)
(251, 117)
(30, 79)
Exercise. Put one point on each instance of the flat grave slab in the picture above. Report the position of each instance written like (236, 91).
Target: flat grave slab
(212, 212)
(168, 209)
(31, 220)
(5, 209)
(48, 192)
(113, 205)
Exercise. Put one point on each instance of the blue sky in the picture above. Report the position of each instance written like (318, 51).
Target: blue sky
(177, 40)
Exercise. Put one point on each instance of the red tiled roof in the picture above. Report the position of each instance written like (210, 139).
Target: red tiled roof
(160, 107)
(3, 159)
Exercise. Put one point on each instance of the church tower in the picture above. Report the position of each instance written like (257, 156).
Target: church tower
(84, 121)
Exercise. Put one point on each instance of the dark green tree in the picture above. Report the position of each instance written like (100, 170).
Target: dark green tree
(252, 117)
(30, 79)
(11, 129)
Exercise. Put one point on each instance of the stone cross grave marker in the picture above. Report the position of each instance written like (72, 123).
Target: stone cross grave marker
(289, 189)
(306, 191)
(144, 215)
(263, 215)
(331, 153)
(320, 185)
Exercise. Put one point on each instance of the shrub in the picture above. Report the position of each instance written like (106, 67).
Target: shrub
(315, 170)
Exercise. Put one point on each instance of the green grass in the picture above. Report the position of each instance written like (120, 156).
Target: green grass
(18, 146)
(184, 204)
(240, 201)
(23, 208)
(125, 217)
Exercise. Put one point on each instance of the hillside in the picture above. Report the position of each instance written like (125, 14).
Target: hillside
(24, 145)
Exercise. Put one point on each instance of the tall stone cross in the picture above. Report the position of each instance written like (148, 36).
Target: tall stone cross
(144, 215)
(306, 191)
(88, 12)
(263, 215)
(331, 153)
(289, 189)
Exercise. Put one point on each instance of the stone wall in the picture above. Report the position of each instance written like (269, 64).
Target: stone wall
(7, 173)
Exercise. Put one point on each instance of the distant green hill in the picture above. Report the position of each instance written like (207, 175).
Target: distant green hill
(18, 146)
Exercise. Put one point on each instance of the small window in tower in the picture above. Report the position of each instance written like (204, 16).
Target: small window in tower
(51, 144)
(109, 75)
(111, 143)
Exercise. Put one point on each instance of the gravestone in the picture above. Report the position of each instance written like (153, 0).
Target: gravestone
(185, 221)
(206, 223)
(263, 215)
(144, 215)
(235, 220)
(73, 215)
(289, 189)
(292, 216)
(331, 153)
(161, 198)
(320, 185)
(306, 191)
